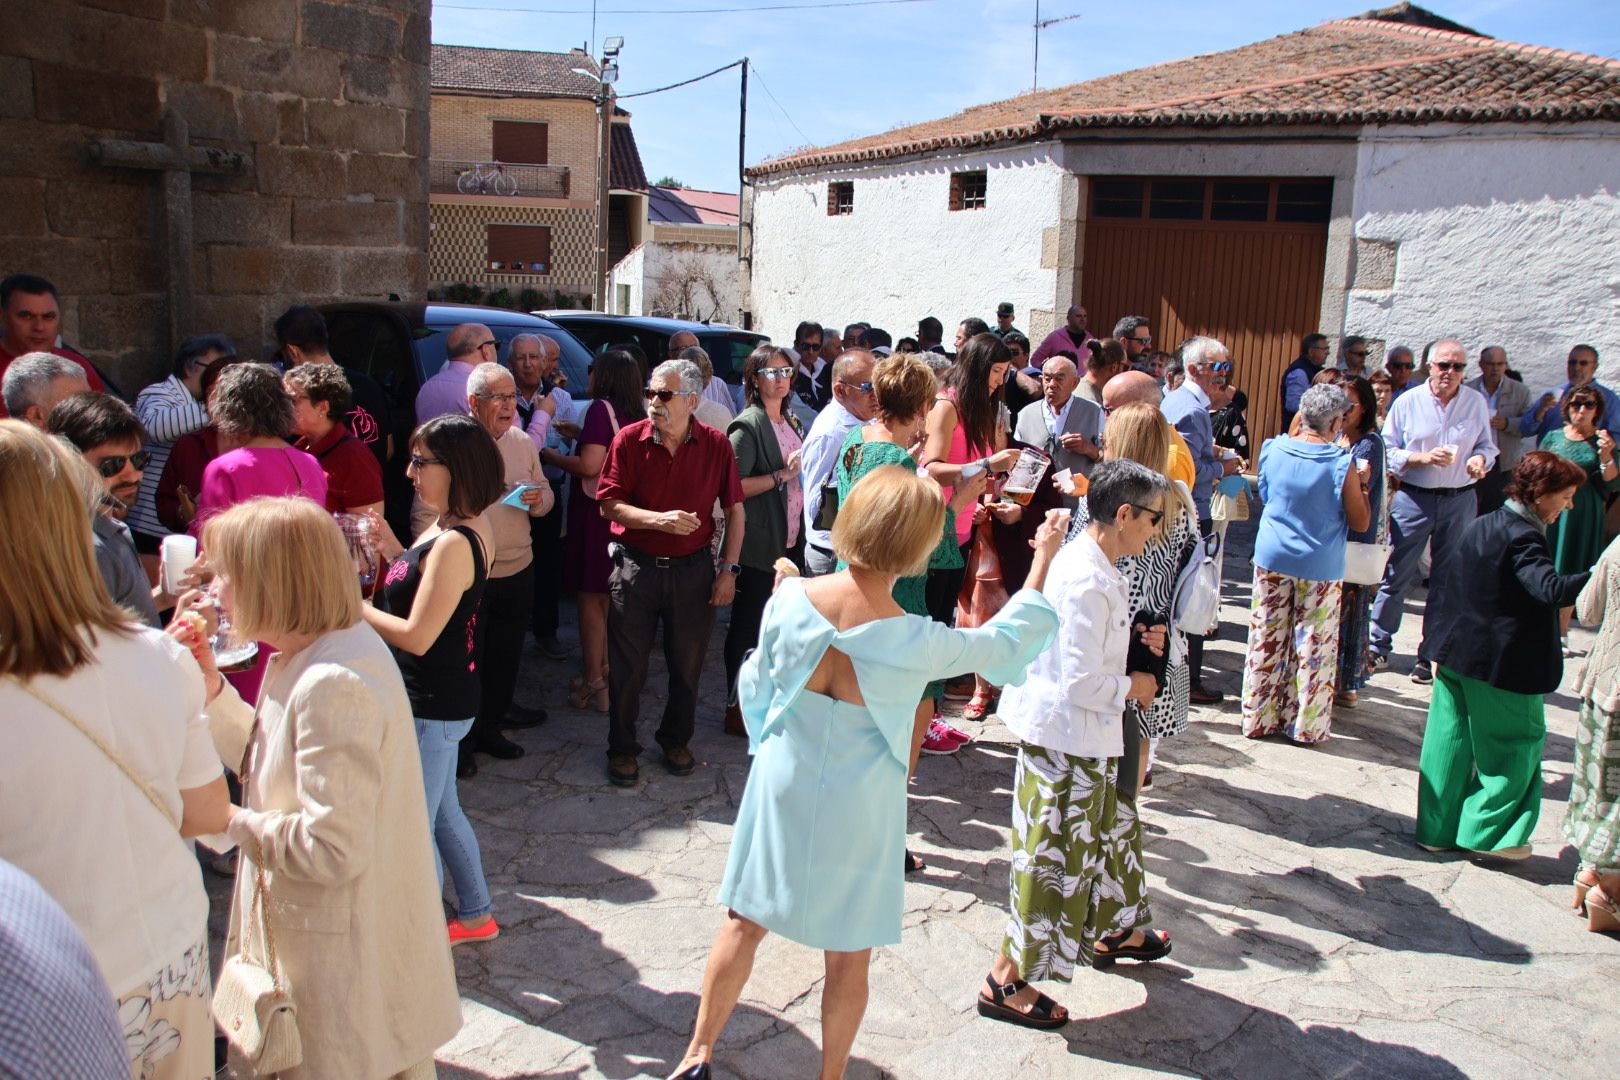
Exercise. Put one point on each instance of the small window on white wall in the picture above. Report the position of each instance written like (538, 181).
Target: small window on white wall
(968, 190)
(840, 197)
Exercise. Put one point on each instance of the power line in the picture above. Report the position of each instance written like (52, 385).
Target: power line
(819, 4)
(807, 140)
(683, 82)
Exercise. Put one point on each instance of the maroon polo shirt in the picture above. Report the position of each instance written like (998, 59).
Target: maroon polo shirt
(353, 477)
(642, 473)
(7, 356)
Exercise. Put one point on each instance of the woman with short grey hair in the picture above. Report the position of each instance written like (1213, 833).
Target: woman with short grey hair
(1312, 499)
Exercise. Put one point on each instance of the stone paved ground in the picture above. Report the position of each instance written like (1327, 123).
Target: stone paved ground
(1312, 938)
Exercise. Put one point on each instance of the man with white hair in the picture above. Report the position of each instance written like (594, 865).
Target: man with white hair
(36, 381)
(657, 488)
(1187, 409)
(503, 618)
(1440, 445)
(853, 402)
(1062, 423)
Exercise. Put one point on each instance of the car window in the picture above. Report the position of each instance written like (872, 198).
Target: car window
(728, 352)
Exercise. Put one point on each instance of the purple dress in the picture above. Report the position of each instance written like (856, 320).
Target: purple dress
(585, 563)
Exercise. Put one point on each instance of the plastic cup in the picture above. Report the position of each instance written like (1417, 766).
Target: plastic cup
(176, 555)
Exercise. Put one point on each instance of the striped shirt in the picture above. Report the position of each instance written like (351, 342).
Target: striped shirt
(167, 411)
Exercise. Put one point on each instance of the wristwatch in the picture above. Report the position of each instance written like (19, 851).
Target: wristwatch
(734, 568)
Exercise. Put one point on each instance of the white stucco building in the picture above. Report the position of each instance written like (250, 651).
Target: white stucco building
(685, 262)
(1392, 175)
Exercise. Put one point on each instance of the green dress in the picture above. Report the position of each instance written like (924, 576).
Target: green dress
(856, 458)
(1576, 538)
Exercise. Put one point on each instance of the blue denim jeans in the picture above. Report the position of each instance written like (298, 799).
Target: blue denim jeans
(452, 832)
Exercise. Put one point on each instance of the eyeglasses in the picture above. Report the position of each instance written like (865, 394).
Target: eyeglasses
(1143, 340)
(776, 373)
(491, 344)
(1362, 355)
(809, 346)
(1156, 515)
(1583, 363)
(863, 387)
(1450, 367)
(666, 395)
(1399, 365)
(1221, 367)
(418, 462)
(110, 467)
(505, 399)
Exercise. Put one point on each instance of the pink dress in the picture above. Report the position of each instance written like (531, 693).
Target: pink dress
(960, 454)
(247, 473)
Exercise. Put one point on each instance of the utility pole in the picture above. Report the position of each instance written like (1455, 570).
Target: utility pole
(609, 74)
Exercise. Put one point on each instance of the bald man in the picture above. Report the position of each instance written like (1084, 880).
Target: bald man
(467, 346)
(1061, 422)
(1133, 386)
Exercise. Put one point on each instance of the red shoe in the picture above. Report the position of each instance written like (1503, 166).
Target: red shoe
(945, 731)
(938, 742)
(461, 933)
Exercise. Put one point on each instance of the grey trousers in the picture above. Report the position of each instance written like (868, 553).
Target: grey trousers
(1417, 518)
(818, 562)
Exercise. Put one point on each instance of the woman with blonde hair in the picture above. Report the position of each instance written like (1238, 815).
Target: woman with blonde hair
(334, 828)
(829, 697)
(109, 768)
(1139, 432)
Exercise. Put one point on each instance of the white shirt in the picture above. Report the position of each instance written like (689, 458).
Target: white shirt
(718, 391)
(817, 460)
(1074, 698)
(83, 829)
(1418, 421)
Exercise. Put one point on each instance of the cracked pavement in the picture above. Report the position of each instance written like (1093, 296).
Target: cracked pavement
(1313, 938)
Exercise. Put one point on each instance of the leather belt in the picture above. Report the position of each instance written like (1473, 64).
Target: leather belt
(1437, 490)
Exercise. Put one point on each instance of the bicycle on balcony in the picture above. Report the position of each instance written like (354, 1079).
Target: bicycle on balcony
(492, 179)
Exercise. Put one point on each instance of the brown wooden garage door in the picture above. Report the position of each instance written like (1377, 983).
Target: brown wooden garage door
(1238, 259)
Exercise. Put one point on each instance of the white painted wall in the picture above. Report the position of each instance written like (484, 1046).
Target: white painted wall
(629, 271)
(647, 266)
(1508, 236)
(903, 253)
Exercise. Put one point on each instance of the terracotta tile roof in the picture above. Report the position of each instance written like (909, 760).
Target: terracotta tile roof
(688, 206)
(1369, 69)
(625, 172)
(512, 71)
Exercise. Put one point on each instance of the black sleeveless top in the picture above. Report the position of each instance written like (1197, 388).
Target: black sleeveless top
(443, 683)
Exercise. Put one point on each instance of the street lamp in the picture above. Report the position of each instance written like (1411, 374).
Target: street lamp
(604, 158)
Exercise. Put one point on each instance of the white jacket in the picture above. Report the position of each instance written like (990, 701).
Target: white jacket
(1073, 700)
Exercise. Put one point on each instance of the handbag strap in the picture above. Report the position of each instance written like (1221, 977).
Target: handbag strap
(101, 744)
(261, 886)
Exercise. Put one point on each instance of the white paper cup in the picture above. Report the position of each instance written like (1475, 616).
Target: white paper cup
(176, 555)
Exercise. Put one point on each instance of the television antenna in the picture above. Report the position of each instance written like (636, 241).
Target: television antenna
(1039, 25)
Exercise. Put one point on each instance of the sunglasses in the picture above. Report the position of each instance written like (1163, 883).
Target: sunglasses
(863, 387)
(1583, 405)
(1221, 367)
(1401, 365)
(1156, 515)
(1451, 367)
(776, 373)
(1362, 355)
(813, 346)
(418, 462)
(1143, 340)
(110, 467)
(666, 395)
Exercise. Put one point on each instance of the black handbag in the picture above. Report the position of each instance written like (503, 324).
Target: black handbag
(827, 512)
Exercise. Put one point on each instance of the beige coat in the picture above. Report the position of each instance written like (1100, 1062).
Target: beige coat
(1599, 606)
(336, 806)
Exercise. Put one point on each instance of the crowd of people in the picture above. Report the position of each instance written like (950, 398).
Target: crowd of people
(1035, 532)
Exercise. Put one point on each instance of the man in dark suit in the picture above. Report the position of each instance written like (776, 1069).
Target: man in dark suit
(1063, 424)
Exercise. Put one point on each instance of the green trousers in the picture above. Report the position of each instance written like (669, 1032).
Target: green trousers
(1479, 777)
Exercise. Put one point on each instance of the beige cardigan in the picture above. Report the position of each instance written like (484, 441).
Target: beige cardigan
(1600, 602)
(336, 806)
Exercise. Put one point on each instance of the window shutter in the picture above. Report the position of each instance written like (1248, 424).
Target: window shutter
(519, 249)
(516, 142)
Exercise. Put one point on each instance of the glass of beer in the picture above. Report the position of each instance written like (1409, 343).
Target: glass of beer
(1025, 476)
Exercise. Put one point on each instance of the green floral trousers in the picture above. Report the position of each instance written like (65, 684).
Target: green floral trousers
(1076, 862)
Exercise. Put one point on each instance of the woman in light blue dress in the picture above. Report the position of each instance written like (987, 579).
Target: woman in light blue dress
(828, 698)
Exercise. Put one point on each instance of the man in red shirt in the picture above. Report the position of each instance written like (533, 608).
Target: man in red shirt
(658, 487)
(30, 320)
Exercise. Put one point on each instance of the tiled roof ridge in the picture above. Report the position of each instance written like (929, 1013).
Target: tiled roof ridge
(1275, 84)
(1383, 26)
(571, 53)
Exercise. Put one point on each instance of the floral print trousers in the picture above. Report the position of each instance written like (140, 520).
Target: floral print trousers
(1076, 862)
(1592, 821)
(168, 1028)
(1292, 663)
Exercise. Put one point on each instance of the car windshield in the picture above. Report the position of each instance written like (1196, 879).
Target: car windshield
(575, 361)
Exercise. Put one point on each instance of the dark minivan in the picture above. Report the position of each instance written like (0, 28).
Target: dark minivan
(727, 346)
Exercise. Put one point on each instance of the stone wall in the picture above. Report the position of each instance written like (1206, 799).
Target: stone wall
(329, 99)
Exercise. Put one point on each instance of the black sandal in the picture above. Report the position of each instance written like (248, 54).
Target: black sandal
(1039, 1015)
(914, 864)
(1155, 947)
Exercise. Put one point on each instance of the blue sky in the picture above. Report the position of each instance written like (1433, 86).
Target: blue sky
(824, 75)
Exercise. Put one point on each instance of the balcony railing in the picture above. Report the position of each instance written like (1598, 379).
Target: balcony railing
(491, 178)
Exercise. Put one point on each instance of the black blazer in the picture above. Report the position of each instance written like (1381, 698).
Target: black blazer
(1504, 596)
